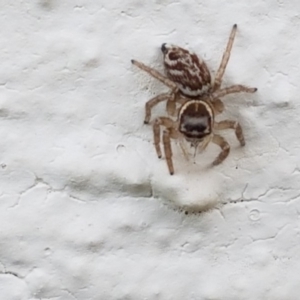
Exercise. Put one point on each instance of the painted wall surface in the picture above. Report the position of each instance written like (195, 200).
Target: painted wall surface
(88, 211)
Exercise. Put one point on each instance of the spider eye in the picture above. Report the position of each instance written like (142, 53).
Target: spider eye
(163, 47)
(195, 127)
(194, 130)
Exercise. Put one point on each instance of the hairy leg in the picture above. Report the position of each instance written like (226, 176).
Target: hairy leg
(220, 141)
(161, 121)
(168, 151)
(228, 124)
(152, 102)
(225, 59)
(169, 132)
(171, 104)
(218, 106)
(155, 74)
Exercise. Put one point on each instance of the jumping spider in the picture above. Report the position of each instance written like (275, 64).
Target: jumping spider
(192, 88)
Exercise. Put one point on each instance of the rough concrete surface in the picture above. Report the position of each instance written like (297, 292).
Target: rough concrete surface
(88, 211)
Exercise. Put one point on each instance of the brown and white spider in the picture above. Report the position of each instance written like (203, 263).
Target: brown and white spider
(191, 86)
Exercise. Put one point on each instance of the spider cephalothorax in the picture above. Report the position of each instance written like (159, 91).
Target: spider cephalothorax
(196, 120)
(197, 95)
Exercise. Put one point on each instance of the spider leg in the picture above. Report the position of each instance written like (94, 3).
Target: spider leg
(166, 81)
(168, 133)
(233, 89)
(220, 141)
(156, 134)
(152, 102)
(175, 97)
(168, 150)
(171, 109)
(171, 104)
(225, 59)
(218, 106)
(228, 124)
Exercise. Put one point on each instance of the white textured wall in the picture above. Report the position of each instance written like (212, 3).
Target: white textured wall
(87, 211)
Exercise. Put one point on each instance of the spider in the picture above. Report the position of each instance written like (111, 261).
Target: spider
(191, 86)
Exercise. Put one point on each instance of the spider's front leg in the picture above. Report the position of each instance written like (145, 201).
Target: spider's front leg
(151, 103)
(170, 97)
(171, 105)
(228, 124)
(168, 150)
(220, 141)
(168, 133)
(171, 102)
